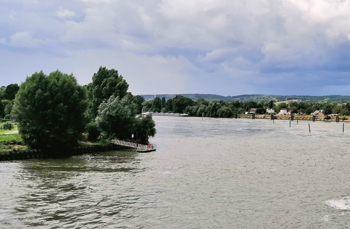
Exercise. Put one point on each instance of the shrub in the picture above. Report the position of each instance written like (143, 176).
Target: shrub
(50, 110)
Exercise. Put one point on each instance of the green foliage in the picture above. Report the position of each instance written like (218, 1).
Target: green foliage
(2, 92)
(179, 103)
(11, 91)
(281, 106)
(157, 104)
(257, 98)
(2, 112)
(260, 110)
(139, 100)
(7, 139)
(225, 112)
(8, 126)
(116, 117)
(106, 83)
(145, 128)
(8, 108)
(50, 110)
(163, 102)
(147, 105)
(93, 131)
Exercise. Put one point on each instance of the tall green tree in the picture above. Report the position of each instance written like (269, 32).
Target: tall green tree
(225, 112)
(116, 117)
(163, 102)
(50, 110)
(179, 103)
(145, 128)
(157, 104)
(139, 101)
(105, 83)
(11, 91)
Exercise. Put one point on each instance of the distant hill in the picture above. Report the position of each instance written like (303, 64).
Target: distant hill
(257, 97)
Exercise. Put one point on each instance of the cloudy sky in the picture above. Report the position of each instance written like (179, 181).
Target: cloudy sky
(226, 47)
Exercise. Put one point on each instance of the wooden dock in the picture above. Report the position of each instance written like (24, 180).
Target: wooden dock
(139, 147)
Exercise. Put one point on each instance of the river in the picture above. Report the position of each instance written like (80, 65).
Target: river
(206, 173)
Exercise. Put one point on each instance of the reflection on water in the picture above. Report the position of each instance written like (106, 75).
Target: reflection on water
(206, 173)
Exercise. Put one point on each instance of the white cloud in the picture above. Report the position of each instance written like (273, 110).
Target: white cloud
(26, 40)
(63, 13)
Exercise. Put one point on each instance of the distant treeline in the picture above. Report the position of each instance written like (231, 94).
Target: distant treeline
(256, 97)
(199, 107)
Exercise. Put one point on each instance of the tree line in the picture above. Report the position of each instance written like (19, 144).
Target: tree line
(181, 104)
(54, 111)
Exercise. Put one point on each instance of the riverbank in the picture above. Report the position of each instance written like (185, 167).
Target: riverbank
(295, 117)
(34, 153)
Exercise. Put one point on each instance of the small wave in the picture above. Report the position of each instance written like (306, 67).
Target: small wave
(341, 204)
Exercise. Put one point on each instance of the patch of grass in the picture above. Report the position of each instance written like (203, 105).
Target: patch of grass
(8, 139)
(10, 142)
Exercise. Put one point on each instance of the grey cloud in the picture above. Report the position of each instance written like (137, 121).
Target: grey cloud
(254, 45)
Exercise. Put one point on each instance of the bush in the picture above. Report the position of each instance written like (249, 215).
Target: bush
(7, 126)
(93, 131)
(50, 111)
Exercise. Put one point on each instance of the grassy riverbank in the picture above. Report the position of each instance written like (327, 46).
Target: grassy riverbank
(11, 142)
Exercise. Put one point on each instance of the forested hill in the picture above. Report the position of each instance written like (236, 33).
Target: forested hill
(257, 97)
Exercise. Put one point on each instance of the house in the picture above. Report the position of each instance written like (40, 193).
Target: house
(252, 111)
(270, 111)
(283, 112)
(318, 113)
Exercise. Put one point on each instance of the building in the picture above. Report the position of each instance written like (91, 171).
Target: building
(252, 110)
(318, 113)
(285, 112)
(270, 111)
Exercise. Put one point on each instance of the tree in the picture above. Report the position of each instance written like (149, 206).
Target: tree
(116, 118)
(147, 106)
(1, 110)
(179, 103)
(145, 128)
(156, 104)
(281, 106)
(11, 91)
(139, 101)
(106, 83)
(50, 111)
(169, 105)
(8, 108)
(163, 102)
(2, 92)
(225, 112)
(212, 109)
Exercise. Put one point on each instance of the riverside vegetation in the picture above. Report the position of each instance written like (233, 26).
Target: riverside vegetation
(199, 107)
(54, 112)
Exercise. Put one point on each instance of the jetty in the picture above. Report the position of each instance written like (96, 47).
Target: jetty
(139, 147)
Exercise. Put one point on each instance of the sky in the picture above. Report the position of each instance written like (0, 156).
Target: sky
(224, 47)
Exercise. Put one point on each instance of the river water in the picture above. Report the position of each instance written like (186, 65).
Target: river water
(206, 173)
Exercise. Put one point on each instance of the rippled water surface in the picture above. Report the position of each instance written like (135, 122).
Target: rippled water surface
(206, 173)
